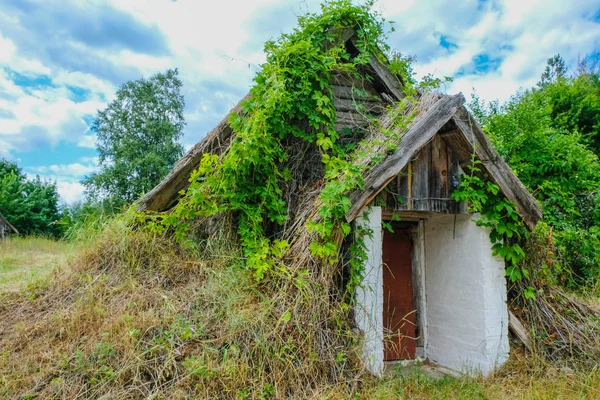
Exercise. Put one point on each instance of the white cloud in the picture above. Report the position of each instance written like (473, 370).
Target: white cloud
(87, 141)
(76, 170)
(522, 34)
(66, 176)
(214, 43)
(70, 192)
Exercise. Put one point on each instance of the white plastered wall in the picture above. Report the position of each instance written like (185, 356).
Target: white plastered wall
(463, 301)
(369, 295)
(467, 318)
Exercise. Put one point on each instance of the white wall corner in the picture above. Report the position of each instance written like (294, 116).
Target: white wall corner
(369, 295)
(496, 309)
(467, 318)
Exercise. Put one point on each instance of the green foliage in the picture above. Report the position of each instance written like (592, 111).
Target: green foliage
(138, 135)
(30, 205)
(498, 214)
(83, 220)
(549, 135)
(293, 85)
(555, 69)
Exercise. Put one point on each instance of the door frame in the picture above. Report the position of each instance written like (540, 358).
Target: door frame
(418, 274)
(399, 306)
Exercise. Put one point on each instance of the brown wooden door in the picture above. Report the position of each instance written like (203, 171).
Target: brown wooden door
(398, 304)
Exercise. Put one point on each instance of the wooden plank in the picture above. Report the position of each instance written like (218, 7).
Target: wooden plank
(346, 79)
(342, 92)
(517, 328)
(420, 182)
(435, 173)
(443, 168)
(462, 148)
(7, 225)
(408, 183)
(391, 82)
(418, 135)
(341, 34)
(350, 92)
(352, 119)
(358, 105)
(498, 170)
(390, 215)
(388, 195)
(453, 176)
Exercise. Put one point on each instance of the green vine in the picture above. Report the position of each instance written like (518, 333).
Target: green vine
(507, 230)
(295, 85)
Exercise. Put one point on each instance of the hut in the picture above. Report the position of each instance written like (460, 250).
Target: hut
(6, 228)
(432, 288)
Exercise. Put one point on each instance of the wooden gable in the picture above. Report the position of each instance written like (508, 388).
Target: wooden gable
(426, 183)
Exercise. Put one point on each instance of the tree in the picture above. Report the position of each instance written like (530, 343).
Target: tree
(30, 205)
(555, 69)
(138, 137)
(549, 135)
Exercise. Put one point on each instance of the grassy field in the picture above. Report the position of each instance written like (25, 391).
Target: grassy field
(87, 335)
(25, 260)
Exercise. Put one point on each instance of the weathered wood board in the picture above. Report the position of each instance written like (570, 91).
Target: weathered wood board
(433, 174)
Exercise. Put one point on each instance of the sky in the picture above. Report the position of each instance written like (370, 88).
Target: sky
(62, 60)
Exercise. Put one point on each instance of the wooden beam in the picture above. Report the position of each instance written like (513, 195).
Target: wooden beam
(391, 82)
(389, 215)
(423, 128)
(357, 105)
(341, 34)
(500, 173)
(352, 119)
(517, 328)
(8, 224)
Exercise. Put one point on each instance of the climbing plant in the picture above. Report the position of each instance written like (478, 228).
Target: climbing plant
(507, 231)
(293, 85)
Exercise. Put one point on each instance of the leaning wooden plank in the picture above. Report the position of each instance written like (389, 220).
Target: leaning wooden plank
(499, 171)
(340, 35)
(165, 194)
(8, 224)
(517, 328)
(392, 83)
(418, 135)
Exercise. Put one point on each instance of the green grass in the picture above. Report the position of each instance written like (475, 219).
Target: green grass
(521, 378)
(26, 260)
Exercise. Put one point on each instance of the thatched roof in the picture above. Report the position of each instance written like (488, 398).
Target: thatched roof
(4, 221)
(435, 114)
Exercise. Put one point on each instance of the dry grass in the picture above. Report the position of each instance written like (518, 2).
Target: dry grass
(138, 317)
(135, 316)
(25, 260)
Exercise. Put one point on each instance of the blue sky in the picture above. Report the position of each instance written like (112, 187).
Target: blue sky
(62, 60)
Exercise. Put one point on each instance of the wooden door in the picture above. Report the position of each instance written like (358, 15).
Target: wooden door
(398, 302)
